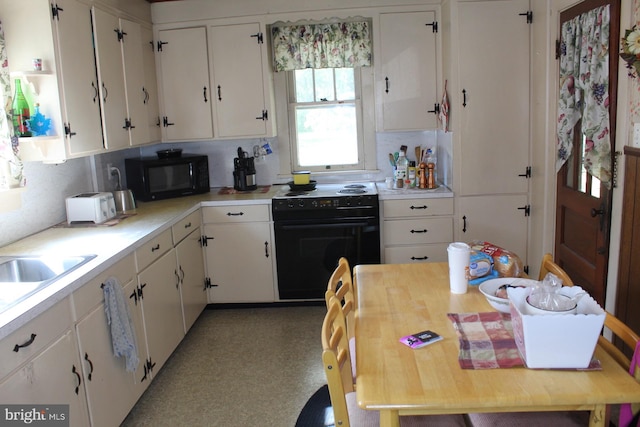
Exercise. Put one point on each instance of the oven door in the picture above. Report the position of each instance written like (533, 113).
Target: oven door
(307, 252)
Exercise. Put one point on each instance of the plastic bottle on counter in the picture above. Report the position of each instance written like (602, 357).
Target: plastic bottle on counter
(401, 169)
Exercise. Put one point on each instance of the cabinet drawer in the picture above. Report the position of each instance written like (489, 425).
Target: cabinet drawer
(182, 228)
(418, 231)
(91, 294)
(231, 214)
(416, 253)
(153, 249)
(417, 207)
(34, 336)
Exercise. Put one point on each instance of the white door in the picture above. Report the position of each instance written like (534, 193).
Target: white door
(135, 81)
(191, 270)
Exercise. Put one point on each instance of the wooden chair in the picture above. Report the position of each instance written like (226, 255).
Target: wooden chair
(549, 266)
(569, 418)
(341, 287)
(337, 368)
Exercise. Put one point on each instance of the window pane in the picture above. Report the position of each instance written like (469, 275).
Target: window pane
(324, 85)
(304, 85)
(345, 86)
(319, 144)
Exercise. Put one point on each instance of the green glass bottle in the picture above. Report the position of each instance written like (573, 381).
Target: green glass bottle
(21, 112)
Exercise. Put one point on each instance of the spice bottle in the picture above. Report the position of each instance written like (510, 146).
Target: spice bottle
(401, 169)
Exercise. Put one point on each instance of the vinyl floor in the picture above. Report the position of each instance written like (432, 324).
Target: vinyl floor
(238, 367)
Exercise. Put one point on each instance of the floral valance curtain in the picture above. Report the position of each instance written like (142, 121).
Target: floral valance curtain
(584, 91)
(321, 45)
(11, 174)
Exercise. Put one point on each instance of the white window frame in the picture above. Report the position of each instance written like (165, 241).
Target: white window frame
(286, 130)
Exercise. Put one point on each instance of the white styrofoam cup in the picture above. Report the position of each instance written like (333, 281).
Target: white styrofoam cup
(458, 253)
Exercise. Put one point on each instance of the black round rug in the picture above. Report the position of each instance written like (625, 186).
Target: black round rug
(317, 412)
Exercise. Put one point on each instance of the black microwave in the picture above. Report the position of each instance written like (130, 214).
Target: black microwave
(152, 178)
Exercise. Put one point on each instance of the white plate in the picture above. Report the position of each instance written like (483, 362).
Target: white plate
(489, 288)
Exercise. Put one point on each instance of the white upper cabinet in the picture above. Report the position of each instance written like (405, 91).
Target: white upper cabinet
(150, 89)
(184, 80)
(493, 100)
(238, 55)
(108, 40)
(406, 74)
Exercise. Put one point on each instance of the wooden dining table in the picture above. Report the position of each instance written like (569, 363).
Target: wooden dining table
(394, 300)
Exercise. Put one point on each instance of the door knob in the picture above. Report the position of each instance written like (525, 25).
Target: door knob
(595, 212)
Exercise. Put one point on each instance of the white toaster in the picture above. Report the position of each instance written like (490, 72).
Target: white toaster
(90, 207)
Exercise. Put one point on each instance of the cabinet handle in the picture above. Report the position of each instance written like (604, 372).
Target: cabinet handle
(146, 95)
(134, 295)
(175, 272)
(160, 44)
(386, 84)
(67, 130)
(464, 224)
(181, 274)
(26, 344)
(155, 248)
(419, 231)
(464, 97)
(266, 249)
(187, 225)
(264, 116)
(419, 258)
(165, 122)
(96, 93)
(205, 94)
(219, 93)
(106, 93)
(75, 371)
(86, 357)
(418, 207)
(235, 213)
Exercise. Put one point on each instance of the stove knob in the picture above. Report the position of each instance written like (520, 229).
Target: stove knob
(301, 203)
(290, 204)
(314, 203)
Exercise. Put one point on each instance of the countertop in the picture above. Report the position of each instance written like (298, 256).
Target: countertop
(112, 243)
(109, 243)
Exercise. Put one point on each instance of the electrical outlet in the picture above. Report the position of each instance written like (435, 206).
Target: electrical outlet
(636, 135)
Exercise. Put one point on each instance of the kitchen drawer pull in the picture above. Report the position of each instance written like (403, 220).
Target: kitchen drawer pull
(235, 213)
(219, 93)
(419, 207)
(75, 371)
(155, 248)
(205, 94)
(386, 84)
(419, 258)
(187, 225)
(86, 357)
(419, 231)
(26, 344)
(266, 249)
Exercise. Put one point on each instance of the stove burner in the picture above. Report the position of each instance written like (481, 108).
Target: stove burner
(355, 186)
(350, 190)
(295, 193)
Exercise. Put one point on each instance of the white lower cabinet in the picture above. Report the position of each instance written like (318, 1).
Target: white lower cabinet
(52, 377)
(188, 245)
(239, 255)
(111, 389)
(417, 230)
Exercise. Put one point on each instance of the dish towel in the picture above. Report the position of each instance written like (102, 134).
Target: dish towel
(627, 410)
(119, 319)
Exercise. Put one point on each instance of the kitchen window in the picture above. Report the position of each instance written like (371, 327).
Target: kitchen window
(325, 119)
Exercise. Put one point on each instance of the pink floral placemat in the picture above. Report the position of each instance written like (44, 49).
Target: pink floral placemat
(486, 341)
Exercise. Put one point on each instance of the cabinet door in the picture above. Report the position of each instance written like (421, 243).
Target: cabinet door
(239, 262)
(494, 75)
(191, 270)
(134, 74)
(498, 219)
(111, 75)
(79, 79)
(53, 377)
(186, 94)
(407, 82)
(238, 80)
(150, 87)
(161, 308)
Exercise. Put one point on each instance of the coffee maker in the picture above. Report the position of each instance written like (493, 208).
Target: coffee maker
(244, 172)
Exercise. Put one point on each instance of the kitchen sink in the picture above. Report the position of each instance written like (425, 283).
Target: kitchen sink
(22, 276)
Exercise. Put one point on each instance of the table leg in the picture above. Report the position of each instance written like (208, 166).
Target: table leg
(598, 416)
(389, 418)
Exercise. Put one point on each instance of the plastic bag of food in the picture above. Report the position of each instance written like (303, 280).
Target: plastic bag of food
(480, 267)
(505, 263)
